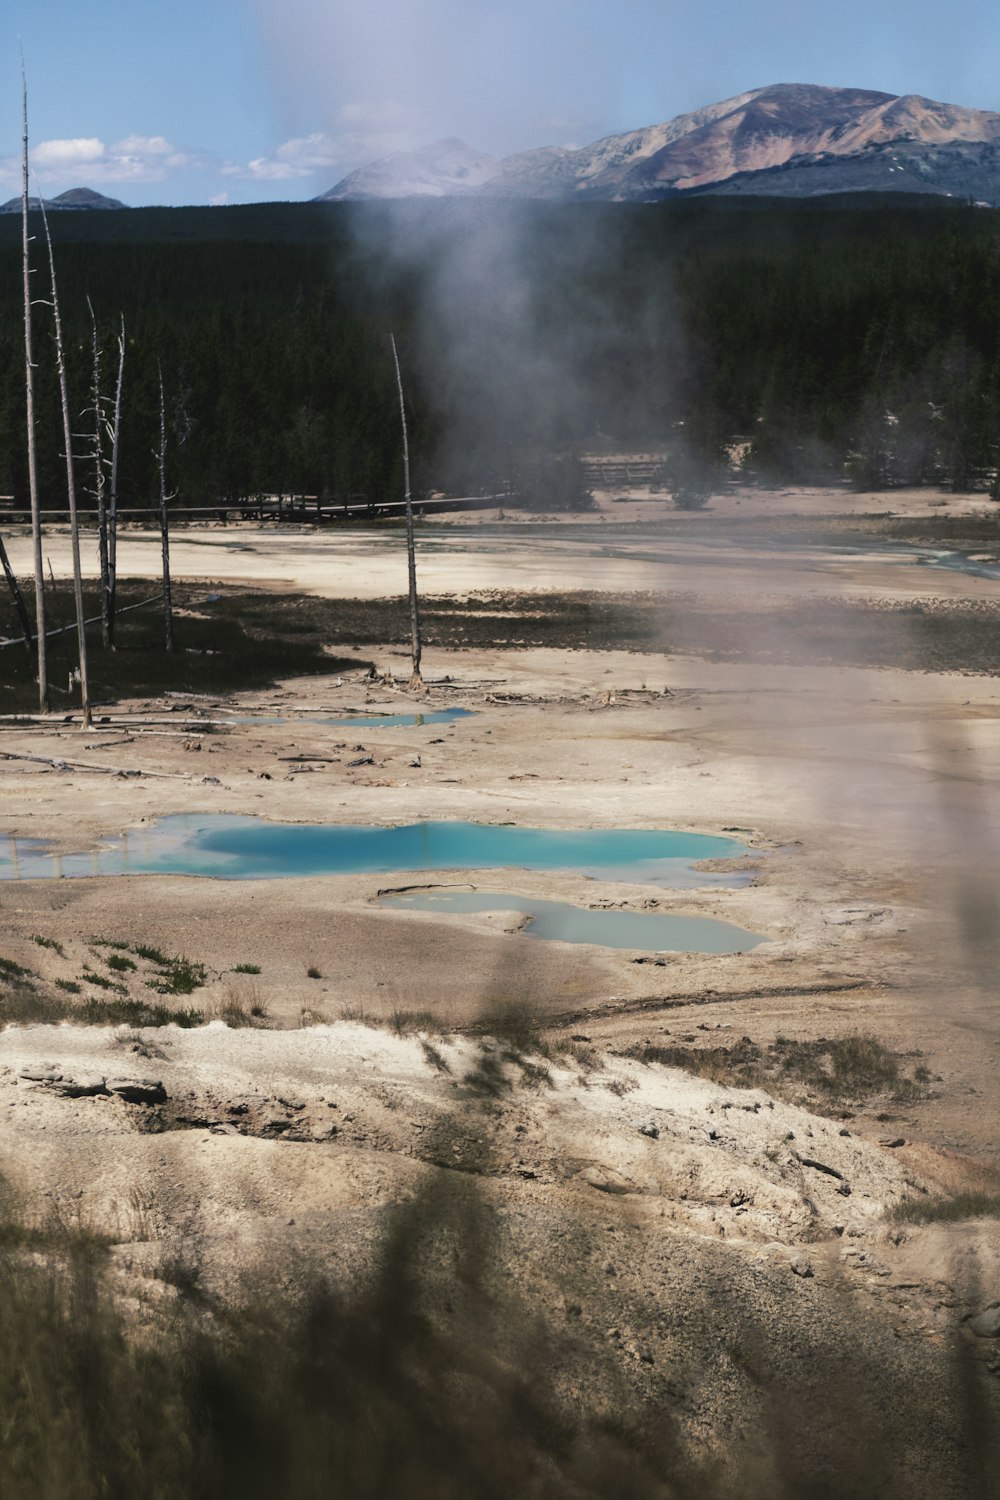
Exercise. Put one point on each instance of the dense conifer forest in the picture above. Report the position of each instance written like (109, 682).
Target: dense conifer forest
(853, 338)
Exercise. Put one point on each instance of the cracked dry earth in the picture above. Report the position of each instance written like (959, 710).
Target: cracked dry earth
(717, 1249)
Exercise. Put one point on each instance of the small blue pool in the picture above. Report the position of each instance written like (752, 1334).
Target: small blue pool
(245, 848)
(366, 721)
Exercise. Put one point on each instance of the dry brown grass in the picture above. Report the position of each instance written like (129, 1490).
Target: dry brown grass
(242, 1005)
(852, 1069)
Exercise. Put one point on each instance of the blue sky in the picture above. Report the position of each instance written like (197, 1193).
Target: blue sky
(245, 100)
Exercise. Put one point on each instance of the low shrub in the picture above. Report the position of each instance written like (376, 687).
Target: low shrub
(47, 942)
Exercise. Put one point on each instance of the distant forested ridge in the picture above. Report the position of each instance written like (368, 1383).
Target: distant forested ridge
(854, 337)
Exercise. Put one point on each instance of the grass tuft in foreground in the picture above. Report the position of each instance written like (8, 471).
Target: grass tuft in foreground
(23, 1005)
(314, 1395)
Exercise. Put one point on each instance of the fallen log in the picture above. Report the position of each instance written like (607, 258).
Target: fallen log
(818, 1166)
(57, 764)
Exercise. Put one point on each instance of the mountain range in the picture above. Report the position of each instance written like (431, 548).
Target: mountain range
(789, 140)
(79, 199)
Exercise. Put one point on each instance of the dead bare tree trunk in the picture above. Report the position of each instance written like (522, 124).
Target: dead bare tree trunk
(29, 383)
(168, 611)
(113, 500)
(59, 626)
(74, 521)
(416, 681)
(100, 496)
(16, 595)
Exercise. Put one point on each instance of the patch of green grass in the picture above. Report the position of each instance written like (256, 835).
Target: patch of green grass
(47, 942)
(101, 982)
(11, 970)
(151, 955)
(246, 969)
(174, 976)
(178, 976)
(947, 1208)
(119, 963)
(70, 986)
(135, 1013)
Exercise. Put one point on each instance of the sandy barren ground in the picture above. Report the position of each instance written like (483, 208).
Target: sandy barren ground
(869, 800)
(721, 554)
(743, 502)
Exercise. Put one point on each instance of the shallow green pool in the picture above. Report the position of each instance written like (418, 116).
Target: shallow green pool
(647, 932)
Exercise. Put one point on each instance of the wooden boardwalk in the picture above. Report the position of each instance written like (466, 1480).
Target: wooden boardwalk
(279, 509)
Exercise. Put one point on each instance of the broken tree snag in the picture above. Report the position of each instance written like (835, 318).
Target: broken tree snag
(99, 491)
(416, 681)
(74, 523)
(168, 611)
(113, 500)
(29, 385)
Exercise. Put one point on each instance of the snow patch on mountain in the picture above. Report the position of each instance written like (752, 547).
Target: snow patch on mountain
(446, 168)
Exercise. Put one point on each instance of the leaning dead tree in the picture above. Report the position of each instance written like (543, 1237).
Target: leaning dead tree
(100, 490)
(18, 598)
(74, 521)
(29, 384)
(116, 430)
(416, 681)
(161, 457)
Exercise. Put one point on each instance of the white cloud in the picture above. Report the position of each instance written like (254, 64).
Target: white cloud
(143, 145)
(370, 132)
(361, 132)
(265, 169)
(144, 158)
(88, 161)
(63, 155)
